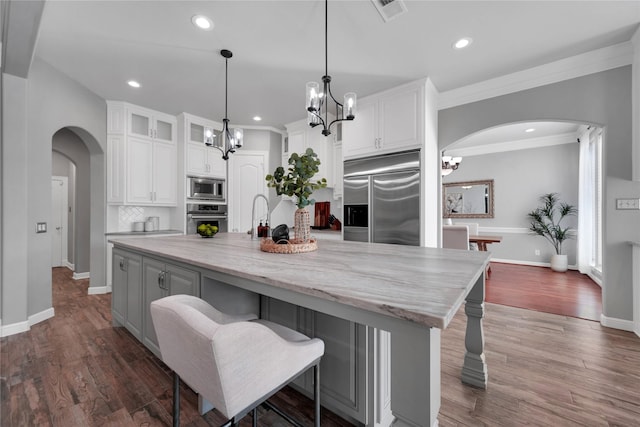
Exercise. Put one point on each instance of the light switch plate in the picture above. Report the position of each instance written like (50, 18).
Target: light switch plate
(628, 204)
(41, 227)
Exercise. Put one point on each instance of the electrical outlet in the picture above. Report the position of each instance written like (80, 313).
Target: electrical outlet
(628, 204)
(41, 227)
(537, 252)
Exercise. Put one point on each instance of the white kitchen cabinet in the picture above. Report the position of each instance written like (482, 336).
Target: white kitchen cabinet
(141, 165)
(152, 172)
(159, 280)
(116, 169)
(301, 136)
(388, 122)
(202, 160)
(144, 123)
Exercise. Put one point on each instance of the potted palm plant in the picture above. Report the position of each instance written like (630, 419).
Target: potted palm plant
(545, 221)
(297, 182)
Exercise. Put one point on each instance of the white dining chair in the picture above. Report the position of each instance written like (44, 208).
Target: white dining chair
(234, 363)
(474, 230)
(455, 237)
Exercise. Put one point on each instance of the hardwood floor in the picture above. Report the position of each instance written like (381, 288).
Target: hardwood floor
(541, 289)
(548, 370)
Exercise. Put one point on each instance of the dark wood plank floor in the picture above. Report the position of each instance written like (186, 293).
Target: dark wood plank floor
(544, 369)
(542, 289)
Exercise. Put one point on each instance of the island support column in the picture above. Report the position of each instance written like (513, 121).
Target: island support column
(415, 376)
(474, 370)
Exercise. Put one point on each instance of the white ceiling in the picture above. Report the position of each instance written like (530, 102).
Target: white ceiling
(279, 45)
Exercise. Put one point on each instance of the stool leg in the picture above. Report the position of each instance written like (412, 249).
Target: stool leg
(316, 393)
(255, 417)
(176, 400)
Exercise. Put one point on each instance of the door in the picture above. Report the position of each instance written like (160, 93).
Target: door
(165, 174)
(246, 179)
(59, 208)
(395, 208)
(153, 279)
(360, 136)
(356, 208)
(139, 171)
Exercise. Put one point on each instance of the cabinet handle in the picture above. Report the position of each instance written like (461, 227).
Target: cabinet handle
(161, 280)
(122, 264)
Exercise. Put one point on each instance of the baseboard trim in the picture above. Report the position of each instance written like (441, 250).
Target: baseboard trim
(529, 263)
(80, 276)
(42, 316)
(69, 265)
(14, 328)
(615, 323)
(96, 290)
(19, 327)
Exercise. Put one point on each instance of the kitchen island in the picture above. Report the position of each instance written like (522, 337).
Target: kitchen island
(411, 292)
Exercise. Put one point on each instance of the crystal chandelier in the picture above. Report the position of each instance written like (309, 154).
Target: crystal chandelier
(449, 164)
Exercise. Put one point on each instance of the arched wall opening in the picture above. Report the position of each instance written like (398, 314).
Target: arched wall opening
(603, 99)
(68, 144)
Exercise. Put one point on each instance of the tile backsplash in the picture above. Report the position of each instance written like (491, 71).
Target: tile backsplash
(127, 215)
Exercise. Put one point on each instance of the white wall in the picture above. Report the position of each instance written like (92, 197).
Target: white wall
(46, 103)
(520, 178)
(14, 194)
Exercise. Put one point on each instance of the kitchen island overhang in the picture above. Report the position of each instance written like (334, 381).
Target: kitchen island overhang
(412, 292)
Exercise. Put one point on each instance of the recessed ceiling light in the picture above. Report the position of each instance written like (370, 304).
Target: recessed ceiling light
(257, 118)
(202, 22)
(529, 130)
(133, 83)
(462, 43)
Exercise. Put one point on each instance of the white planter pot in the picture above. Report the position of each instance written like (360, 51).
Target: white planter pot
(559, 263)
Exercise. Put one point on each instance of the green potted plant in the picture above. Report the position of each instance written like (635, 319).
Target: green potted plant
(297, 182)
(545, 221)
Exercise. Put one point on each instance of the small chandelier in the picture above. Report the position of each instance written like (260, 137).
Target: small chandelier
(229, 139)
(449, 164)
(316, 99)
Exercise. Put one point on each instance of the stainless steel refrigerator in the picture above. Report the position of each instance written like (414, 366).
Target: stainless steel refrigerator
(382, 199)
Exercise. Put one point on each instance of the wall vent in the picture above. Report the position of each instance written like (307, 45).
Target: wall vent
(390, 9)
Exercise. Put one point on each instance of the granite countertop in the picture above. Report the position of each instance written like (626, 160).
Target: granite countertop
(143, 233)
(423, 285)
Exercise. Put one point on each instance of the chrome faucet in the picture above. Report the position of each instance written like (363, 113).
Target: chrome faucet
(254, 229)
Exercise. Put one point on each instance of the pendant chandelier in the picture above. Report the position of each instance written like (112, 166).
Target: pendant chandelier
(317, 99)
(449, 164)
(229, 139)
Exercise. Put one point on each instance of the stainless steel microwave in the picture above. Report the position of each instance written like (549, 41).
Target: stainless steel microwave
(199, 188)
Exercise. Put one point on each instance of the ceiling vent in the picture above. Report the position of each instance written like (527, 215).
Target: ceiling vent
(390, 9)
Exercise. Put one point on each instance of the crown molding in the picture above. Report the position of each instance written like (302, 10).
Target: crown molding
(522, 144)
(575, 66)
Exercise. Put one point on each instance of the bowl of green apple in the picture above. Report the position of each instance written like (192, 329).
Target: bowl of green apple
(207, 230)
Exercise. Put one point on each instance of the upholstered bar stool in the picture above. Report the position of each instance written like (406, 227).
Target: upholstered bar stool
(233, 362)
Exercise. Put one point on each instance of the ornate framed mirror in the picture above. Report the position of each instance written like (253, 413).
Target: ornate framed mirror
(471, 199)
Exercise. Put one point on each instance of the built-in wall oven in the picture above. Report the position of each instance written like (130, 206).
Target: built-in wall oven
(206, 214)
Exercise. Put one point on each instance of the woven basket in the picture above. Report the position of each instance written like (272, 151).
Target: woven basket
(291, 247)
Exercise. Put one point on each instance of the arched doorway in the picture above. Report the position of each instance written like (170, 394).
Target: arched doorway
(75, 153)
(526, 160)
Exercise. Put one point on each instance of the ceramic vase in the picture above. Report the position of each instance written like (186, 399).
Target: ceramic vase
(559, 263)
